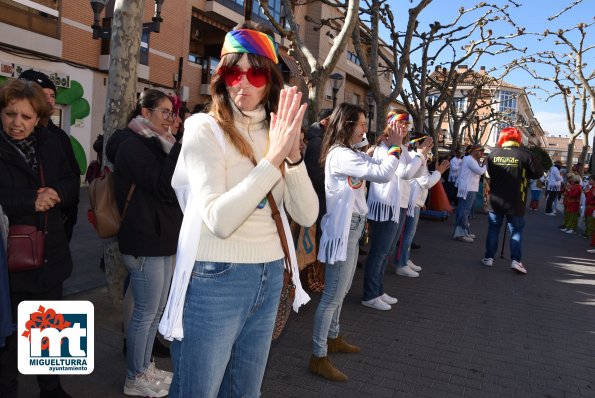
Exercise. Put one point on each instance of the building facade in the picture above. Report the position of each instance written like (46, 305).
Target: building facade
(55, 37)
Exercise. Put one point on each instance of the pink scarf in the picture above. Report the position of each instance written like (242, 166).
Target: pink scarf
(144, 127)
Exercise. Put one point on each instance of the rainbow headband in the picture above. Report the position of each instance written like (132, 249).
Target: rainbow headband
(249, 42)
(395, 117)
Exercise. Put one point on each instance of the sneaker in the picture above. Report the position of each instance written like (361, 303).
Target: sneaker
(377, 304)
(388, 299)
(590, 250)
(550, 214)
(488, 262)
(464, 239)
(414, 267)
(563, 229)
(472, 236)
(518, 267)
(162, 375)
(406, 271)
(145, 385)
(569, 231)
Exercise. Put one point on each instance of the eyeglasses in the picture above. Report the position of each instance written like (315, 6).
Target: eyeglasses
(232, 75)
(166, 113)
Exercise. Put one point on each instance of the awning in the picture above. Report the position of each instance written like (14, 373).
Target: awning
(294, 69)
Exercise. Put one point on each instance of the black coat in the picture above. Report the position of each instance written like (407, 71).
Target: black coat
(18, 186)
(69, 214)
(153, 218)
(510, 169)
(314, 136)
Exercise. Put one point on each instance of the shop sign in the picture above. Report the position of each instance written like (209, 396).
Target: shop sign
(14, 70)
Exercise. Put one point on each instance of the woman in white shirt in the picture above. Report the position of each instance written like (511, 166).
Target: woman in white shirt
(345, 170)
(246, 147)
(468, 185)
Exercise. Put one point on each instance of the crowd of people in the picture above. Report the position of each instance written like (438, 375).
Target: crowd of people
(204, 253)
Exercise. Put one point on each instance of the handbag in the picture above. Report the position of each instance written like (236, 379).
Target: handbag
(288, 289)
(104, 213)
(26, 244)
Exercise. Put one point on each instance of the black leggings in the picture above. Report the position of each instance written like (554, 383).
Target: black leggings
(551, 196)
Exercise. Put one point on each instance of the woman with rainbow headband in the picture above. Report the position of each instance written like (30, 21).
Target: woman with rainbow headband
(384, 215)
(345, 170)
(227, 283)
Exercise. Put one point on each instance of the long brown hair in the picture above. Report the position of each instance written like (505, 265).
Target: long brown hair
(221, 108)
(341, 126)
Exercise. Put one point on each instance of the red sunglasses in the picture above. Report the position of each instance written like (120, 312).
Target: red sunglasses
(232, 75)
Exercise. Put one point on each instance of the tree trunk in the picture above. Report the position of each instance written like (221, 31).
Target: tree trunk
(569, 155)
(121, 99)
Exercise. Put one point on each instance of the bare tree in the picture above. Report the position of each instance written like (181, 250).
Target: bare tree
(121, 97)
(571, 79)
(315, 71)
(431, 97)
(378, 11)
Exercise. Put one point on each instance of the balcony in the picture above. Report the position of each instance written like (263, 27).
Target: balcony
(37, 18)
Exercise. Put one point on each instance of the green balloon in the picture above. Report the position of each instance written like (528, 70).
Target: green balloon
(79, 109)
(66, 96)
(79, 155)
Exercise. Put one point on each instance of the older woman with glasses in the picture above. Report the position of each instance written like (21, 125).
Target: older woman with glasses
(145, 155)
(239, 158)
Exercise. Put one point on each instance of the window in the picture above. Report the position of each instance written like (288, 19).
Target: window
(143, 58)
(508, 103)
(432, 99)
(39, 16)
(353, 57)
(356, 99)
(460, 104)
(274, 8)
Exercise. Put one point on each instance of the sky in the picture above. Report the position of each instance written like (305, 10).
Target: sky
(531, 14)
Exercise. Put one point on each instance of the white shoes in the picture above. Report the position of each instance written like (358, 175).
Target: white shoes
(472, 236)
(553, 213)
(518, 267)
(569, 231)
(378, 304)
(389, 299)
(488, 262)
(145, 385)
(590, 250)
(414, 267)
(406, 271)
(467, 239)
(161, 375)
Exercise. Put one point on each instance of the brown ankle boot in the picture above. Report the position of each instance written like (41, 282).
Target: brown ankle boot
(340, 345)
(323, 367)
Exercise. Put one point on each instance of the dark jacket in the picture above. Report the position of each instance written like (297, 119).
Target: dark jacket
(152, 222)
(510, 169)
(18, 190)
(314, 136)
(69, 214)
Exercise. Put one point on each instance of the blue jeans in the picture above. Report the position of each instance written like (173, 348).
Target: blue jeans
(229, 315)
(515, 227)
(382, 235)
(337, 281)
(150, 278)
(463, 213)
(535, 194)
(407, 237)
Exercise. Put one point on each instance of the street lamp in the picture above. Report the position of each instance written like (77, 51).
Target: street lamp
(337, 80)
(102, 32)
(370, 102)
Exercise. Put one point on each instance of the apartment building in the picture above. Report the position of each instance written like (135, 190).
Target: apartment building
(499, 104)
(55, 36)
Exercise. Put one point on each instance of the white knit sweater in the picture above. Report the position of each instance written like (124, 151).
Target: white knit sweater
(230, 188)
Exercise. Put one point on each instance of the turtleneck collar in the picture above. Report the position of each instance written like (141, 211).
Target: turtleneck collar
(249, 119)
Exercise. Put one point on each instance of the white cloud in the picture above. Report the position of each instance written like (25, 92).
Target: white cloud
(552, 123)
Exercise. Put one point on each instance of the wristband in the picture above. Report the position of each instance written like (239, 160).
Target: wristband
(287, 162)
(395, 151)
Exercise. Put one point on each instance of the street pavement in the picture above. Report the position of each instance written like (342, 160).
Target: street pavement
(459, 330)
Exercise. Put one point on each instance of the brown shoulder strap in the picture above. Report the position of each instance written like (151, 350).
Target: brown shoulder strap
(280, 230)
(130, 192)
